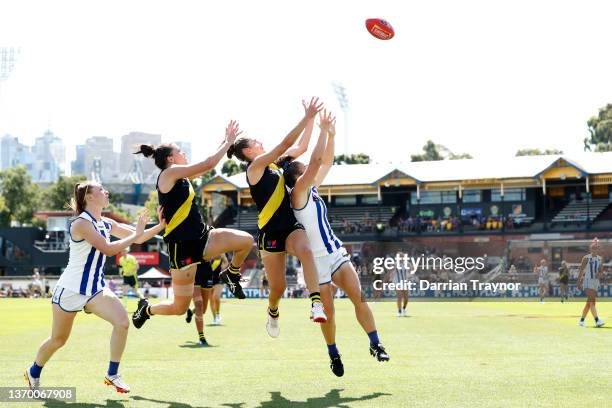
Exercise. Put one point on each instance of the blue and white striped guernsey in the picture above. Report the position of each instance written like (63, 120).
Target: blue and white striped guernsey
(592, 269)
(313, 216)
(85, 271)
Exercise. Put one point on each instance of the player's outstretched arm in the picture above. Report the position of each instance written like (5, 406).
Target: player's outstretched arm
(306, 180)
(120, 230)
(328, 156)
(260, 162)
(176, 172)
(83, 229)
(302, 144)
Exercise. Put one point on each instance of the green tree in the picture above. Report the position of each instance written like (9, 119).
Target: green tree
(206, 177)
(230, 167)
(58, 195)
(600, 128)
(151, 205)
(435, 152)
(537, 152)
(430, 153)
(359, 158)
(21, 196)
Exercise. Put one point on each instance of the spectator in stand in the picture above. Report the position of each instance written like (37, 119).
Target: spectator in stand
(36, 288)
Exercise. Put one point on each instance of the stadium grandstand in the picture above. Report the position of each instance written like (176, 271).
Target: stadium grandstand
(514, 210)
(518, 194)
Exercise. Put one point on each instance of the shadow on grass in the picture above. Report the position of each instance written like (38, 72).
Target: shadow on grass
(53, 403)
(195, 344)
(331, 399)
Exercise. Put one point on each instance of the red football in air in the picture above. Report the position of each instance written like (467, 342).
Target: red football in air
(380, 28)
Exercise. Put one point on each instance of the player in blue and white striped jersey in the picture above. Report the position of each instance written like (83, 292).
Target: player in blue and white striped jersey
(590, 272)
(332, 261)
(81, 285)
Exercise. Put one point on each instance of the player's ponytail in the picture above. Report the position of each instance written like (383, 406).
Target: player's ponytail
(159, 153)
(237, 149)
(77, 202)
(291, 170)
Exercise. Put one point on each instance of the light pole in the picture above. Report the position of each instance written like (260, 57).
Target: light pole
(340, 91)
(8, 55)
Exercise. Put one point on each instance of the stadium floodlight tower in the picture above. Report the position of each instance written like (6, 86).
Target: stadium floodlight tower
(340, 91)
(8, 55)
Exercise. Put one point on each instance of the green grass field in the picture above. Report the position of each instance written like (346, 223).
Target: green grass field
(445, 354)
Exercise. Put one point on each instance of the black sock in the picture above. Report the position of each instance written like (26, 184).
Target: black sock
(233, 269)
(273, 312)
(315, 297)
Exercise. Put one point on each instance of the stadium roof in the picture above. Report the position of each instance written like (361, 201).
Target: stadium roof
(491, 168)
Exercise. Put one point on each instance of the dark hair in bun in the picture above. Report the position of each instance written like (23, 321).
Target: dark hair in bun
(160, 153)
(236, 149)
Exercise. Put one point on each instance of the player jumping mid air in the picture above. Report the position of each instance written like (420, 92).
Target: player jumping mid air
(333, 262)
(189, 240)
(278, 230)
(591, 271)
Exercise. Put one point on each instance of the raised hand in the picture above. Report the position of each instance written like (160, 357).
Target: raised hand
(332, 128)
(325, 119)
(142, 223)
(232, 131)
(313, 107)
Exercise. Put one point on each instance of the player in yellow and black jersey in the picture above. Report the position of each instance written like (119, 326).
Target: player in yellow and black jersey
(207, 276)
(278, 231)
(188, 238)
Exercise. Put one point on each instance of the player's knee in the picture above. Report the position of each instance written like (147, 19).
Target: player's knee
(247, 242)
(199, 306)
(180, 308)
(59, 341)
(302, 249)
(122, 323)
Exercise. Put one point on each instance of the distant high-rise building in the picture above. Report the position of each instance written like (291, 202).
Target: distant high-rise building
(77, 166)
(185, 147)
(130, 143)
(100, 160)
(49, 158)
(13, 153)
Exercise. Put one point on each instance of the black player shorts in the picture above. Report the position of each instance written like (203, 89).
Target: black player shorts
(183, 254)
(206, 277)
(274, 241)
(129, 280)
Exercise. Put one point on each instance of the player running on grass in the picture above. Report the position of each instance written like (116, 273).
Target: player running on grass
(590, 272)
(81, 286)
(189, 240)
(333, 262)
(128, 269)
(206, 277)
(277, 229)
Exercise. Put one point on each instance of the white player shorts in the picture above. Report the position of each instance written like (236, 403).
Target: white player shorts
(591, 284)
(328, 265)
(70, 301)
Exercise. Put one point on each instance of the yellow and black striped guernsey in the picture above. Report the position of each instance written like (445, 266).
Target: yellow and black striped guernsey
(272, 200)
(183, 219)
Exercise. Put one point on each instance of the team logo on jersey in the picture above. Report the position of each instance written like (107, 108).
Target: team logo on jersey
(187, 261)
(271, 243)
